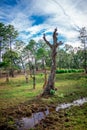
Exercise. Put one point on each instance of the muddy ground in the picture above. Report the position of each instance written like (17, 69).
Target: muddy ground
(74, 118)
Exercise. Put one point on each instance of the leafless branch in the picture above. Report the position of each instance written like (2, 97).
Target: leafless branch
(47, 42)
(59, 43)
(55, 36)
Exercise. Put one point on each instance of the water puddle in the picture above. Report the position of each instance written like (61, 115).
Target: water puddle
(29, 122)
(74, 103)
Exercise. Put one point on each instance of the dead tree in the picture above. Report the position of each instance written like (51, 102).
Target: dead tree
(51, 80)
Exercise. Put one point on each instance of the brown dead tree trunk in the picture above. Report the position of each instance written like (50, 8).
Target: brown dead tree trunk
(51, 80)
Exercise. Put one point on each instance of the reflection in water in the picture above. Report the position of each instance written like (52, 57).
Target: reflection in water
(25, 123)
(74, 103)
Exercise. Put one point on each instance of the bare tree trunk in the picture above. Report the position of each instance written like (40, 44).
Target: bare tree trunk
(23, 67)
(12, 69)
(25, 73)
(11, 72)
(29, 67)
(34, 82)
(45, 79)
(36, 67)
(45, 72)
(33, 77)
(7, 77)
(51, 80)
(30, 73)
(26, 77)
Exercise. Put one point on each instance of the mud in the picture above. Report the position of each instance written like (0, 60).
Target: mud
(27, 123)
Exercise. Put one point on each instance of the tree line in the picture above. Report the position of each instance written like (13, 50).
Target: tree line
(16, 55)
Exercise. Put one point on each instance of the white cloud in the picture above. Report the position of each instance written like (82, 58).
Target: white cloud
(35, 29)
(66, 15)
(21, 21)
(74, 43)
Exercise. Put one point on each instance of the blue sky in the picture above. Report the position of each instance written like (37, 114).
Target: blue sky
(32, 18)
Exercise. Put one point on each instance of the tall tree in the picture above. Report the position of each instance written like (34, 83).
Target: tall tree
(20, 49)
(10, 58)
(27, 55)
(42, 53)
(2, 36)
(11, 35)
(32, 47)
(51, 80)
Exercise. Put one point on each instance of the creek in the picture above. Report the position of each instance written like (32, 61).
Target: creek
(26, 123)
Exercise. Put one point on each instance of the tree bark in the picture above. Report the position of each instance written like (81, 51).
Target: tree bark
(26, 77)
(29, 67)
(7, 76)
(51, 80)
(11, 72)
(11, 69)
(33, 77)
(45, 78)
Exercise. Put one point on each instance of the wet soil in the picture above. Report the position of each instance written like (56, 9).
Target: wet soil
(74, 118)
(9, 116)
(14, 118)
(36, 118)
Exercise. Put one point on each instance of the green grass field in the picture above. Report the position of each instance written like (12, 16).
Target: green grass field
(73, 85)
(18, 98)
(17, 90)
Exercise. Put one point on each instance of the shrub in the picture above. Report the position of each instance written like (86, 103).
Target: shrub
(59, 71)
(69, 71)
(52, 91)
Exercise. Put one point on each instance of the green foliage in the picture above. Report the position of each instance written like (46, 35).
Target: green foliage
(11, 32)
(8, 34)
(3, 64)
(31, 46)
(2, 30)
(52, 91)
(69, 71)
(73, 58)
(10, 59)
